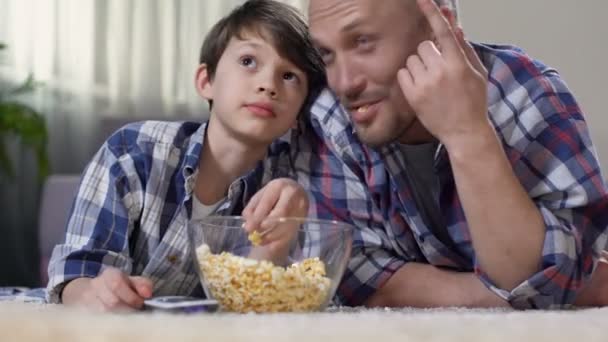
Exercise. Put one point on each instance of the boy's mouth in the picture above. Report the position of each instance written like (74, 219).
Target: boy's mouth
(261, 109)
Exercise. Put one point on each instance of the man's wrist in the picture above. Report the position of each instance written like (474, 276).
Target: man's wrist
(464, 148)
(478, 295)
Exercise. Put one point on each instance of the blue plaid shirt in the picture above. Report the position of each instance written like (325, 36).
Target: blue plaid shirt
(134, 202)
(548, 144)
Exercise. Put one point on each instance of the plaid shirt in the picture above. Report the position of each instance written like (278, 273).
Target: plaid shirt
(134, 202)
(547, 142)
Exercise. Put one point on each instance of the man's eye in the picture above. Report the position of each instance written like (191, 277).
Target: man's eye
(325, 54)
(362, 40)
(248, 61)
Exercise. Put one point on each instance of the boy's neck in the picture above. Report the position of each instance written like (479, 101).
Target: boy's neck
(223, 160)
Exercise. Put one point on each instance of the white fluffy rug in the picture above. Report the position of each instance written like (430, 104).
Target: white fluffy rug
(27, 322)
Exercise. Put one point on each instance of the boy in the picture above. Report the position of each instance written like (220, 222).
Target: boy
(126, 237)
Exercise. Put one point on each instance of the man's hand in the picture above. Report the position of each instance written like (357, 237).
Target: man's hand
(596, 292)
(112, 290)
(279, 198)
(426, 286)
(446, 83)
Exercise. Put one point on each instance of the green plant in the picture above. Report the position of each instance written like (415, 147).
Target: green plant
(22, 121)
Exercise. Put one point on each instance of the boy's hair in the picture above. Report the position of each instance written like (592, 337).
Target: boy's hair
(279, 24)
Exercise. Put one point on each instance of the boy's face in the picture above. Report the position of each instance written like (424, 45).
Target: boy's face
(256, 93)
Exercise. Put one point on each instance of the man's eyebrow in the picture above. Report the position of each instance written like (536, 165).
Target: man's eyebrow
(352, 25)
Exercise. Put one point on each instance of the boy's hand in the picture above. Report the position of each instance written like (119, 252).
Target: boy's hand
(112, 290)
(279, 198)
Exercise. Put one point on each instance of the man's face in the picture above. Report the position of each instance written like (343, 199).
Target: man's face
(364, 43)
(257, 94)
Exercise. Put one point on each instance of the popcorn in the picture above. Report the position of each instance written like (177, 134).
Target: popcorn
(248, 285)
(255, 237)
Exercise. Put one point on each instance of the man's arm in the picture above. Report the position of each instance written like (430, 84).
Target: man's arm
(497, 208)
(543, 248)
(426, 286)
(507, 229)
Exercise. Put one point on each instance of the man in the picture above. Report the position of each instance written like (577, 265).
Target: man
(468, 169)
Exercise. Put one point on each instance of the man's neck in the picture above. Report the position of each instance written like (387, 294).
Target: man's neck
(223, 160)
(416, 134)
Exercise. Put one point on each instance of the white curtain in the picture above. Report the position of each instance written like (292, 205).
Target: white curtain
(98, 60)
(140, 55)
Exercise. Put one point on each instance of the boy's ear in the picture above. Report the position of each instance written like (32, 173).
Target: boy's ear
(202, 82)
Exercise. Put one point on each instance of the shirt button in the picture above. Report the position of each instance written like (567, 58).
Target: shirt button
(173, 259)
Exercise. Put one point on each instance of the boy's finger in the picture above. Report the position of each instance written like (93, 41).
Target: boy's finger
(143, 286)
(121, 286)
(265, 205)
(441, 28)
(116, 294)
(253, 202)
(281, 231)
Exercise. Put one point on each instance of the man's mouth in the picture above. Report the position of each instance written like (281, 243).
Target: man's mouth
(362, 109)
(364, 113)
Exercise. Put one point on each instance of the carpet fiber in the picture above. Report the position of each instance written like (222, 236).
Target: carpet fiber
(28, 322)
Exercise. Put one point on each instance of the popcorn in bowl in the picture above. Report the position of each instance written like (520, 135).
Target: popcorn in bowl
(246, 285)
(299, 275)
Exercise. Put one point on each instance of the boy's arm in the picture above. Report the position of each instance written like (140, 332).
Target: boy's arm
(112, 290)
(99, 225)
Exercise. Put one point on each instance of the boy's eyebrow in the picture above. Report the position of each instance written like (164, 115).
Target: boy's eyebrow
(245, 42)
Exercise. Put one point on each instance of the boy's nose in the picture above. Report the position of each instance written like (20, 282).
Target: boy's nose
(271, 92)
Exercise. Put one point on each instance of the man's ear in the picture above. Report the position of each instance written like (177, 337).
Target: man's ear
(203, 83)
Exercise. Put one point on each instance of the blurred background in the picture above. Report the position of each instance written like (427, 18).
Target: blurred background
(97, 64)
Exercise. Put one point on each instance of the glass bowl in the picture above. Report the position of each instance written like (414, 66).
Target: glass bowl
(248, 277)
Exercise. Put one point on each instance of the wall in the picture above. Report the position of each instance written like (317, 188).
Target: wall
(571, 36)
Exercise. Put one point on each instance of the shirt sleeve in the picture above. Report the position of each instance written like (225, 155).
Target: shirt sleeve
(555, 161)
(99, 223)
(338, 194)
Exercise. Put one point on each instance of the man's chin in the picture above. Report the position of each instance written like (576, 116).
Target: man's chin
(371, 138)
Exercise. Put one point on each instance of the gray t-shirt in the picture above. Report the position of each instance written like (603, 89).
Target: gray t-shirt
(419, 161)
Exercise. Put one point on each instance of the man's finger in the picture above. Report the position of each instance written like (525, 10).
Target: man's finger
(416, 68)
(406, 81)
(471, 55)
(429, 54)
(441, 28)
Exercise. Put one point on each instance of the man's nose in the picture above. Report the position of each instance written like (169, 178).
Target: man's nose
(345, 80)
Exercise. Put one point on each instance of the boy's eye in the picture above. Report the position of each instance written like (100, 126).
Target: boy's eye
(290, 76)
(248, 61)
